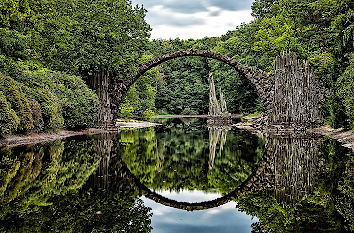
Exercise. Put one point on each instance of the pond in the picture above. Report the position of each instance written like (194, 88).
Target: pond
(182, 176)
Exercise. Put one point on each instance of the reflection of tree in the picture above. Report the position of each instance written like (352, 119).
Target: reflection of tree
(18, 173)
(300, 199)
(41, 191)
(176, 158)
(54, 168)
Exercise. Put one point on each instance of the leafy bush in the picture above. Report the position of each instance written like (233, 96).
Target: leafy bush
(50, 108)
(45, 100)
(18, 102)
(78, 104)
(9, 121)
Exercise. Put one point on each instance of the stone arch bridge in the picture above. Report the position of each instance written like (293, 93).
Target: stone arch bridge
(290, 95)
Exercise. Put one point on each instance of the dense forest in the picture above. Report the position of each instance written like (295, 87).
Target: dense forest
(54, 52)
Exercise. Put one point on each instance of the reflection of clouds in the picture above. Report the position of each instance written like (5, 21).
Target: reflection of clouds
(194, 19)
(225, 218)
(227, 206)
(189, 196)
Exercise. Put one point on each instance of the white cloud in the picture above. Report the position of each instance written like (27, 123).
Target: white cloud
(211, 26)
(187, 19)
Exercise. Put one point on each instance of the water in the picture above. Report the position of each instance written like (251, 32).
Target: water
(184, 176)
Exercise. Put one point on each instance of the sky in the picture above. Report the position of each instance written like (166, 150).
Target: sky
(223, 219)
(194, 18)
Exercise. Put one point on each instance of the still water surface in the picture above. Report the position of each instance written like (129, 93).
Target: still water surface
(184, 176)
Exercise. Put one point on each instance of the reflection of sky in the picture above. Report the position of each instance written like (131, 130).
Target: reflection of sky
(222, 219)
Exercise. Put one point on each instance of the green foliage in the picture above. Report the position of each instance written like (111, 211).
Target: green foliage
(345, 91)
(77, 102)
(45, 100)
(79, 37)
(83, 37)
(176, 157)
(130, 104)
(188, 111)
(18, 101)
(262, 8)
(140, 99)
(184, 83)
(109, 34)
(319, 31)
(41, 190)
(13, 43)
(9, 121)
(13, 11)
(335, 112)
(50, 109)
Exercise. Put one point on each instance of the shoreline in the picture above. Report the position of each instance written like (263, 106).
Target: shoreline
(35, 138)
(343, 136)
(192, 116)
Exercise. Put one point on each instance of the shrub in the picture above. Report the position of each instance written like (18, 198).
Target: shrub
(45, 100)
(78, 103)
(50, 108)
(36, 109)
(18, 102)
(9, 121)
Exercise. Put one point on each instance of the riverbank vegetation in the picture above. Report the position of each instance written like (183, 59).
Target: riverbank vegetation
(54, 53)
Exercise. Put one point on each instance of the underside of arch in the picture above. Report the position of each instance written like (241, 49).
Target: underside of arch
(261, 80)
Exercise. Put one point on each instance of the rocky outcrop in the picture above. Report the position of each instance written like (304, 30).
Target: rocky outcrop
(297, 98)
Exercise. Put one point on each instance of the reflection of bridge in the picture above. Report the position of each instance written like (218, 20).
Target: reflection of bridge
(246, 187)
(290, 165)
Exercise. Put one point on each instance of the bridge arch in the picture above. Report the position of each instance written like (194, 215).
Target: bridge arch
(261, 80)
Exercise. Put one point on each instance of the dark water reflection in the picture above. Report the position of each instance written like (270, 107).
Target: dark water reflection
(149, 180)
